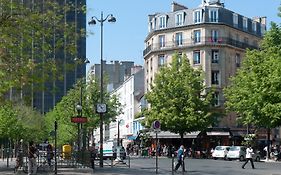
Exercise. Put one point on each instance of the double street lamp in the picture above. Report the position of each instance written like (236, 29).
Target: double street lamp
(101, 107)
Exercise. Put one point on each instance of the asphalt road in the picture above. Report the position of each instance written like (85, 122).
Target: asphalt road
(146, 166)
(209, 167)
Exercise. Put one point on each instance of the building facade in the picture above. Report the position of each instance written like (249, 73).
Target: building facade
(115, 72)
(213, 38)
(72, 66)
(129, 94)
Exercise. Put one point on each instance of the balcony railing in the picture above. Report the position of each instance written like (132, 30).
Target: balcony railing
(192, 43)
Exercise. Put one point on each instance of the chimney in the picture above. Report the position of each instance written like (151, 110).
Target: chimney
(177, 7)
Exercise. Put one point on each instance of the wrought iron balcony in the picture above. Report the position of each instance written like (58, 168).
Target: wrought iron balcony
(209, 41)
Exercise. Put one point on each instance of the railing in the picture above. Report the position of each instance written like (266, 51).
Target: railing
(200, 41)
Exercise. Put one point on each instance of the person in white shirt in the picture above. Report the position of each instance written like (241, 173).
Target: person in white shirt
(249, 157)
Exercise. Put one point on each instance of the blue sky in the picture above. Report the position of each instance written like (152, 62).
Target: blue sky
(124, 40)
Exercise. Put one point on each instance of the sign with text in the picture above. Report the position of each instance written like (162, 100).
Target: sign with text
(79, 119)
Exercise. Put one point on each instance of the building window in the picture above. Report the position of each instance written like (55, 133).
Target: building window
(216, 99)
(179, 57)
(245, 23)
(197, 36)
(213, 15)
(235, 20)
(254, 26)
(161, 41)
(215, 56)
(161, 60)
(162, 22)
(196, 57)
(214, 35)
(246, 40)
(237, 60)
(215, 77)
(179, 39)
(179, 19)
(197, 17)
(263, 29)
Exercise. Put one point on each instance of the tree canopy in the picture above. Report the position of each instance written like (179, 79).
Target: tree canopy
(255, 91)
(33, 37)
(179, 98)
(66, 108)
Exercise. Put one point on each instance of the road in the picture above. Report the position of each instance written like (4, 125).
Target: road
(146, 166)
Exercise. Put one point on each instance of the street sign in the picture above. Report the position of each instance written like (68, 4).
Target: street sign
(79, 119)
(156, 125)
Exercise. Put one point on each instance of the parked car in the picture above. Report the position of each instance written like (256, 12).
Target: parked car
(236, 152)
(220, 152)
(257, 156)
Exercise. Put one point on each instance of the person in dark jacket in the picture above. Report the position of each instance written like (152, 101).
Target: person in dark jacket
(32, 166)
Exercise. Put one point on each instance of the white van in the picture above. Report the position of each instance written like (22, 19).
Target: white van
(220, 152)
(110, 150)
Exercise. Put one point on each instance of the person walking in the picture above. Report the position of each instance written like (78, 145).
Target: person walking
(32, 167)
(50, 154)
(180, 156)
(249, 157)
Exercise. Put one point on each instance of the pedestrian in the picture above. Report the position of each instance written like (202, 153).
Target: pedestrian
(32, 167)
(19, 159)
(180, 157)
(249, 157)
(93, 156)
(50, 154)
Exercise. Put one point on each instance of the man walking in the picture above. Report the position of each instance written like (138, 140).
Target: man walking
(249, 157)
(180, 156)
(32, 167)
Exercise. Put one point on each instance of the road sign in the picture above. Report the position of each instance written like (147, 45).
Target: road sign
(156, 125)
(79, 119)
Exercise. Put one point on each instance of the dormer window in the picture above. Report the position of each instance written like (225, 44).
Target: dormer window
(179, 19)
(254, 26)
(245, 23)
(152, 25)
(197, 17)
(213, 15)
(162, 22)
(235, 20)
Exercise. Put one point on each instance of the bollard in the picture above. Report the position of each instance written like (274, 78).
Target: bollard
(129, 161)
(182, 164)
(173, 162)
(111, 162)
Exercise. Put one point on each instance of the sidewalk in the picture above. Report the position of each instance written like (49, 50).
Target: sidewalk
(106, 170)
(88, 171)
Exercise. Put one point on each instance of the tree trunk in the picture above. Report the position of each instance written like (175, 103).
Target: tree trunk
(181, 135)
(268, 144)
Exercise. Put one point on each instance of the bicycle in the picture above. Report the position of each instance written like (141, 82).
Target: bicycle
(21, 164)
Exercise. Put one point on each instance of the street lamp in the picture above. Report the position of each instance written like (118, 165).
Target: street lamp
(118, 156)
(79, 105)
(101, 107)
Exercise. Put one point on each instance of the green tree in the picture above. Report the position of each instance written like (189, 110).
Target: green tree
(21, 122)
(254, 93)
(66, 108)
(33, 36)
(179, 99)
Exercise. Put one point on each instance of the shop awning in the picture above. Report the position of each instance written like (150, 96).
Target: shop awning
(132, 137)
(218, 133)
(167, 134)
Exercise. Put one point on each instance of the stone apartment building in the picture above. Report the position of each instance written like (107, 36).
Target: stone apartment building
(212, 36)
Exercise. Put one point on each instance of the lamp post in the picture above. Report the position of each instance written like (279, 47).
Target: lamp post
(118, 156)
(101, 107)
(79, 105)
